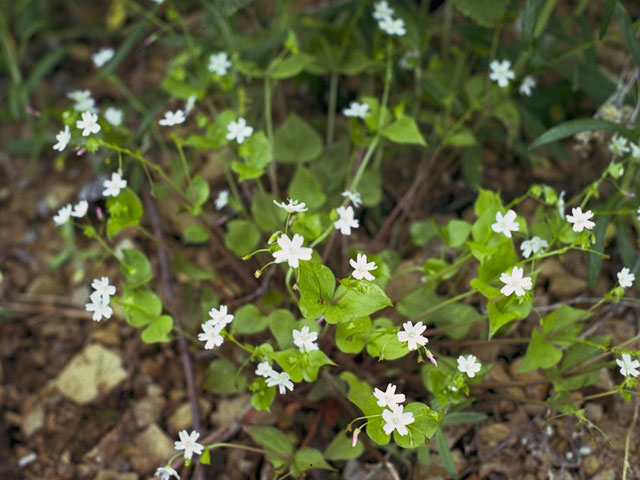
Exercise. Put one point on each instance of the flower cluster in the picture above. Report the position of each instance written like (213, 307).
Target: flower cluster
(213, 327)
(412, 334)
(469, 365)
(280, 379)
(383, 13)
(78, 210)
(394, 416)
(100, 298)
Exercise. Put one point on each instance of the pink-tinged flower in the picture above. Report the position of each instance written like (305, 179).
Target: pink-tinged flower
(388, 398)
(506, 224)
(515, 282)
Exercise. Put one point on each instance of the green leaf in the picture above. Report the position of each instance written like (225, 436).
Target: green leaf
(360, 299)
(445, 454)
(570, 128)
(423, 231)
(289, 67)
(217, 130)
(281, 323)
(256, 152)
(247, 320)
(607, 15)
(272, 440)
(628, 33)
(291, 362)
(195, 234)
(405, 131)
(384, 344)
(263, 396)
(265, 213)
(424, 426)
(305, 187)
(141, 307)
(351, 336)
(158, 330)
(461, 418)
(540, 353)
(457, 233)
(309, 458)
(505, 311)
(205, 458)
(311, 364)
(529, 20)
(361, 394)
(296, 141)
(242, 237)
(135, 266)
(223, 378)
(355, 63)
(198, 191)
(316, 284)
(125, 210)
(340, 448)
(485, 13)
(180, 264)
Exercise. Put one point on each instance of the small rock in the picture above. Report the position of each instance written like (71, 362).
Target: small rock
(108, 334)
(227, 409)
(153, 447)
(183, 419)
(33, 421)
(149, 409)
(590, 465)
(44, 285)
(593, 411)
(113, 475)
(490, 435)
(608, 474)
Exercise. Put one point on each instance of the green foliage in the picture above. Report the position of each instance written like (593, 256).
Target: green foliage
(296, 141)
(125, 210)
(242, 237)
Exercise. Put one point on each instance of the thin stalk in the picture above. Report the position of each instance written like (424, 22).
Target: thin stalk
(269, 127)
(333, 98)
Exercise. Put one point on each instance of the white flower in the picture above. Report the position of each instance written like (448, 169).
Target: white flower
(357, 110)
(89, 124)
(527, 84)
(80, 209)
(188, 443)
(515, 282)
(264, 369)
(189, 104)
(397, 419)
(291, 250)
(219, 63)
(580, 219)
(63, 139)
(635, 151)
(238, 130)
(222, 200)
(469, 365)
(412, 334)
(618, 145)
(282, 380)
(382, 10)
(305, 339)
(625, 278)
(506, 224)
(83, 100)
(112, 187)
(220, 318)
(102, 287)
(361, 268)
(165, 473)
(627, 366)
(391, 26)
(158, 2)
(561, 204)
(102, 56)
(638, 214)
(113, 116)
(172, 118)
(353, 197)
(346, 221)
(99, 306)
(389, 398)
(63, 215)
(409, 60)
(293, 206)
(501, 72)
(534, 245)
(211, 335)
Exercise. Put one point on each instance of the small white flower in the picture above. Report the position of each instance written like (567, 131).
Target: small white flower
(188, 442)
(222, 200)
(239, 130)
(189, 104)
(501, 72)
(220, 318)
(412, 334)
(382, 10)
(219, 63)
(99, 306)
(392, 26)
(361, 268)
(83, 100)
(528, 83)
(469, 365)
(158, 2)
(211, 335)
(561, 204)
(63, 139)
(409, 60)
(165, 473)
(389, 398)
(112, 187)
(356, 110)
(638, 214)
(534, 245)
(172, 118)
(80, 209)
(63, 215)
(515, 282)
(305, 339)
(580, 219)
(293, 206)
(353, 197)
(397, 420)
(89, 124)
(102, 287)
(627, 366)
(292, 250)
(346, 221)
(618, 145)
(102, 56)
(506, 224)
(264, 369)
(113, 116)
(635, 151)
(626, 278)
(282, 380)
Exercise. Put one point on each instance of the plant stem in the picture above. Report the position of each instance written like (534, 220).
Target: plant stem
(333, 97)
(269, 127)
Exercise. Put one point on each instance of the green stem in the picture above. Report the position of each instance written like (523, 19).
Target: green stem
(269, 127)
(444, 304)
(248, 449)
(333, 97)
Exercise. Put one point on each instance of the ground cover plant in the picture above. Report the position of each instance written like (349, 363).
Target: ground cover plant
(346, 225)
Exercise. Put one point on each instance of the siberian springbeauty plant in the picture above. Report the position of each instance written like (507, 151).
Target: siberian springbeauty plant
(405, 90)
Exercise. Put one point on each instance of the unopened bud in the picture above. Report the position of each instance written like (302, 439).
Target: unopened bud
(433, 360)
(354, 437)
(257, 273)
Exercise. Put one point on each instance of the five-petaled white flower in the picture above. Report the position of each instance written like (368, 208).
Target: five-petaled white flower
(635, 151)
(361, 268)
(63, 215)
(501, 72)
(165, 473)
(628, 367)
(305, 339)
(103, 287)
(506, 224)
(99, 306)
(534, 245)
(619, 145)
(389, 398)
(89, 124)
(294, 206)
(264, 369)
(220, 318)
(113, 116)
(291, 250)
(392, 26)
(189, 443)
(469, 365)
(63, 139)
(353, 197)
(83, 100)
(580, 219)
(102, 56)
(222, 200)
(356, 110)
(211, 335)
(219, 63)
(346, 221)
(412, 334)
(239, 130)
(397, 419)
(382, 10)
(172, 118)
(80, 209)
(515, 282)
(112, 187)
(282, 380)
(528, 83)
(625, 278)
